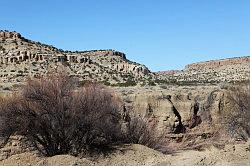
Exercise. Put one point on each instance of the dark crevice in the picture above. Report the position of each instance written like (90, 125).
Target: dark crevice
(180, 128)
(195, 119)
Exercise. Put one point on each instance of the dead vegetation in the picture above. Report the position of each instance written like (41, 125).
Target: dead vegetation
(238, 119)
(57, 118)
(144, 131)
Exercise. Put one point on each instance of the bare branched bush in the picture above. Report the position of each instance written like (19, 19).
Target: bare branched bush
(142, 131)
(58, 119)
(239, 117)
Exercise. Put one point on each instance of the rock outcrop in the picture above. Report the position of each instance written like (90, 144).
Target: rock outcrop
(213, 72)
(217, 63)
(200, 108)
(21, 58)
(9, 35)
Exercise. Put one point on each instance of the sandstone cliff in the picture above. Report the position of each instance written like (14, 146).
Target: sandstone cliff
(20, 58)
(230, 70)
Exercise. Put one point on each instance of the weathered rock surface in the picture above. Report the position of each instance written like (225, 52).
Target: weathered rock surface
(202, 109)
(9, 35)
(214, 71)
(21, 58)
(217, 63)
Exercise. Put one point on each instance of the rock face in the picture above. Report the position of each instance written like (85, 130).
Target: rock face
(21, 58)
(9, 35)
(216, 71)
(217, 63)
(201, 108)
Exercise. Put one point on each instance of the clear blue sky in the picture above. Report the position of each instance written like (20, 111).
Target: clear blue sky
(162, 34)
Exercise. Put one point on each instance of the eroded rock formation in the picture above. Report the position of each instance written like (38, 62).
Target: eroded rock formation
(23, 57)
(213, 72)
(217, 63)
(10, 35)
(188, 110)
(20, 57)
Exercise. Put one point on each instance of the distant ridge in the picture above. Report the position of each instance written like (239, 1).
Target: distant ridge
(21, 58)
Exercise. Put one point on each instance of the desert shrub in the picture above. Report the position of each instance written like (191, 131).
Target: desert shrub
(106, 82)
(6, 88)
(58, 119)
(238, 118)
(127, 83)
(151, 83)
(143, 131)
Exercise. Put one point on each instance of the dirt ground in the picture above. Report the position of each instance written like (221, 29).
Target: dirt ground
(138, 155)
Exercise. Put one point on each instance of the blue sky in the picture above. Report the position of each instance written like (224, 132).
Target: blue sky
(162, 34)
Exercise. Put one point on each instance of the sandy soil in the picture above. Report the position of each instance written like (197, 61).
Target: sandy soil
(138, 155)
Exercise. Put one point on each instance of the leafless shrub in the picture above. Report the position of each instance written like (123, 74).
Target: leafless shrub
(207, 107)
(239, 118)
(57, 119)
(143, 131)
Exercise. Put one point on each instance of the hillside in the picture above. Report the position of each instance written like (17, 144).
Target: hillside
(21, 57)
(215, 71)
